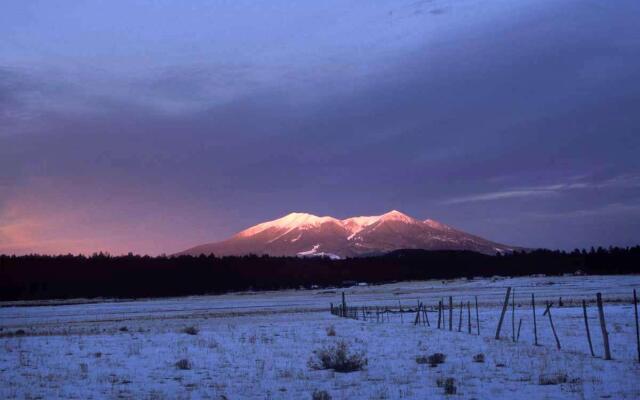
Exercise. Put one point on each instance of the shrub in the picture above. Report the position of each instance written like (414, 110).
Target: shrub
(331, 330)
(552, 379)
(449, 385)
(183, 364)
(320, 395)
(135, 348)
(338, 358)
(435, 359)
(479, 358)
(422, 359)
(84, 368)
(190, 330)
(123, 329)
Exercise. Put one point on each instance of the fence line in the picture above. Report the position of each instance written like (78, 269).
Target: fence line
(366, 313)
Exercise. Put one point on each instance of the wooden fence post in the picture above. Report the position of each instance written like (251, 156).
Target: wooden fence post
(553, 328)
(401, 316)
(603, 326)
(469, 316)
(586, 325)
(439, 313)
(519, 326)
(535, 325)
(504, 310)
(442, 313)
(477, 316)
(513, 315)
(344, 305)
(450, 313)
(331, 308)
(635, 307)
(425, 314)
(417, 320)
(460, 321)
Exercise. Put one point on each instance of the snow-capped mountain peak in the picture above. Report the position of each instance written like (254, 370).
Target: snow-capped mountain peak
(395, 215)
(303, 234)
(290, 221)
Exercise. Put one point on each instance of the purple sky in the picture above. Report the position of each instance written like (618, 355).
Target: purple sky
(153, 126)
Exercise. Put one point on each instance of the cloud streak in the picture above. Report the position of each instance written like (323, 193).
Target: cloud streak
(625, 181)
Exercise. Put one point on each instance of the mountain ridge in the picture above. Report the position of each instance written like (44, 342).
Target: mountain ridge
(304, 235)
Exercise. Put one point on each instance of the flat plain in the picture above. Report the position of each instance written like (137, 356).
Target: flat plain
(263, 345)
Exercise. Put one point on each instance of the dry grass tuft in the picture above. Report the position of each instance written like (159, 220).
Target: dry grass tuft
(183, 364)
(320, 395)
(190, 330)
(449, 385)
(435, 359)
(552, 379)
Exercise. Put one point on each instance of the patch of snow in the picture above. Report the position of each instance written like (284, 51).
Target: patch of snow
(315, 253)
(358, 223)
(314, 250)
(330, 255)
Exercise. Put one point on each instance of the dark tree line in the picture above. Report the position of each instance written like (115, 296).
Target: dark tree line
(131, 276)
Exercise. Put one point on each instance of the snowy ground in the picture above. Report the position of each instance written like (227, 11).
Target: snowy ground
(258, 345)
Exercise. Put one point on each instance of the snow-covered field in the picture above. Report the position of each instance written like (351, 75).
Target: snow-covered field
(257, 345)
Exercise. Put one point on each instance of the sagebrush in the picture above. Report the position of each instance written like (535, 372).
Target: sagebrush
(320, 395)
(183, 364)
(339, 358)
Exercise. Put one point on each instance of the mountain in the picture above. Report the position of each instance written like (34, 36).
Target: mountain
(301, 234)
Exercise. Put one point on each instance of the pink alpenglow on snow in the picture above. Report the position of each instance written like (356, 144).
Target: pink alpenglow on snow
(302, 234)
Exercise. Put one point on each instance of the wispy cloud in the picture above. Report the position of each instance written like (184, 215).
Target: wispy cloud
(611, 209)
(620, 181)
